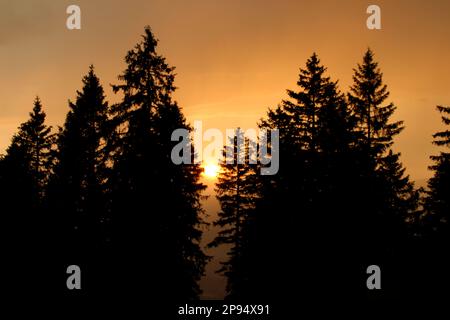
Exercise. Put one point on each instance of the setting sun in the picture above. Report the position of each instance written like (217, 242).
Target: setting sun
(211, 170)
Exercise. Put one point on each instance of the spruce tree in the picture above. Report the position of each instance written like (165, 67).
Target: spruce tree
(377, 131)
(306, 201)
(36, 138)
(77, 196)
(367, 97)
(437, 202)
(155, 204)
(24, 172)
(432, 254)
(30, 153)
(387, 198)
(238, 192)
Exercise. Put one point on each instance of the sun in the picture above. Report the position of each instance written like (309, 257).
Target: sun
(211, 170)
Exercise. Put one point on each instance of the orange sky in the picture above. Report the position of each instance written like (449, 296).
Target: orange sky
(233, 58)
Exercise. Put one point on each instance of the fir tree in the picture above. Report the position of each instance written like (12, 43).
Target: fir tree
(77, 196)
(238, 192)
(307, 198)
(386, 196)
(435, 219)
(80, 169)
(35, 138)
(24, 172)
(437, 203)
(389, 192)
(156, 212)
(30, 155)
(367, 97)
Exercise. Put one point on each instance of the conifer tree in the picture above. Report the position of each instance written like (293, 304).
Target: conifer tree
(367, 97)
(155, 204)
(307, 198)
(386, 197)
(313, 121)
(24, 172)
(30, 155)
(389, 195)
(80, 169)
(35, 138)
(437, 203)
(432, 253)
(238, 192)
(77, 196)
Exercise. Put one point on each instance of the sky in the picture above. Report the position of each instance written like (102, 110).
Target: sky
(233, 59)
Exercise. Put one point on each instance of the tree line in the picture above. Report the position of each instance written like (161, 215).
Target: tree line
(340, 202)
(103, 193)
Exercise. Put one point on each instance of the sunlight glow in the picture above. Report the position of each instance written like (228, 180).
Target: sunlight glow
(211, 170)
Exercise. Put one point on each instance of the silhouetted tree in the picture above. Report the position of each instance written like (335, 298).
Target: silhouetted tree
(386, 195)
(77, 189)
(367, 97)
(24, 172)
(389, 195)
(304, 206)
(437, 203)
(35, 137)
(431, 256)
(155, 204)
(341, 197)
(238, 192)
(30, 156)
